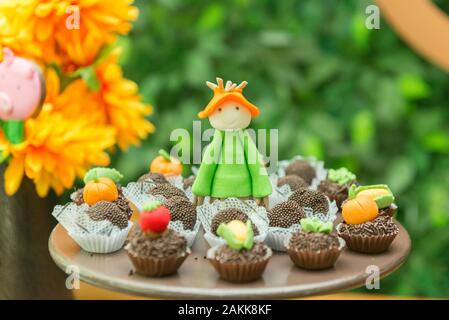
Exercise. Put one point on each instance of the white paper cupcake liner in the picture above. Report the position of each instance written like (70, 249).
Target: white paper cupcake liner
(96, 243)
(276, 236)
(137, 192)
(190, 235)
(257, 215)
(75, 220)
(133, 192)
(320, 171)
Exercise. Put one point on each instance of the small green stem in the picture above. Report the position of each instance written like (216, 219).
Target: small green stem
(164, 154)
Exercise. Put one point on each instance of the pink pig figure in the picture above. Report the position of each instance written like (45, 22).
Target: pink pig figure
(22, 92)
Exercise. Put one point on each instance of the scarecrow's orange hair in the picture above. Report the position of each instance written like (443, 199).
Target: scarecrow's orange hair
(223, 94)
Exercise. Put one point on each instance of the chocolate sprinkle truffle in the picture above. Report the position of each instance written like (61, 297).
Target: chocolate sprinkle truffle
(166, 190)
(167, 245)
(308, 241)
(183, 210)
(293, 181)
(315, 200)
(382, 225)
(226, 216)
(226, 254)
(105, 210)
(188, 182)
(334, 191)
(285, 214)
(301, 168)
(157, 178)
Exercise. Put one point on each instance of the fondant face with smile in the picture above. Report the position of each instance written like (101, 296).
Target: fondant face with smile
(230, 116)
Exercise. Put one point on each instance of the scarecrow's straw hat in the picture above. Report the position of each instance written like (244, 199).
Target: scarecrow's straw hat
(223, 94)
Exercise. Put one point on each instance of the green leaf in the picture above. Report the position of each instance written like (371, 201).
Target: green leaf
(90, 78)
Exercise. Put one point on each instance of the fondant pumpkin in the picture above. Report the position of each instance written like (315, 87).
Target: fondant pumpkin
(359, 210)
(165, 164)
(101, 189)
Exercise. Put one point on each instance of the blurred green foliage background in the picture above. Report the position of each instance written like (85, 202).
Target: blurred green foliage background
(348, 95)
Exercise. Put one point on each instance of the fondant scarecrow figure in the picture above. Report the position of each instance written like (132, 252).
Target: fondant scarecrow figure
(231, 165)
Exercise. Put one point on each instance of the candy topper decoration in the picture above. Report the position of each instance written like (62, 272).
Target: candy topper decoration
(240, 171)
(154, 218)
(166, 165)
(22, 92)
(359, 208)
(315, 225)
(237, 234)
(380, 193)
(341, 176)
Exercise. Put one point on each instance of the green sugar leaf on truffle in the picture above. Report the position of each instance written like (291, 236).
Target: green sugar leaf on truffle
(96, 173)
(315, 225)
(228, 233)
(341, 176)
(151, 205)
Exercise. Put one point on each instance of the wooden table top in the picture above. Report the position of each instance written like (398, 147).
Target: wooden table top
(196, 279)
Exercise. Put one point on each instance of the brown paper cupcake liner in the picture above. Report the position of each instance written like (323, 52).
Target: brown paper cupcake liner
(314, 260)
(368, 244)
(157, 267)
(239, 271)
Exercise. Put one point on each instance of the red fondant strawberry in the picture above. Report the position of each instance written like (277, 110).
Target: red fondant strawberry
(154, 218)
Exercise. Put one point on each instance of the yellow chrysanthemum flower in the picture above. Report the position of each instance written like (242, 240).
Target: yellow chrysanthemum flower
(67, 32)
(117, 103)
(56, 151)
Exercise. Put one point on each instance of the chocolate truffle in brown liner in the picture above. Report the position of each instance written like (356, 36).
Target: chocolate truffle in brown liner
(334, 191)
(226, 216)
(240, 266)
(181, 209)
(301, 168)
(157, 257)
(313, 251)
(293, 181)
(389, 211)
(167, 191)
(285, 214)
(313, 199)
(369, 237)
(188, 182)
(156, 178)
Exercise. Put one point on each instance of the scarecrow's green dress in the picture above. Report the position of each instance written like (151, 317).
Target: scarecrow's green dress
(232, 167)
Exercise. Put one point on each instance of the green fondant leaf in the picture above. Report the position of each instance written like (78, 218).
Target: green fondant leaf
(382, 201)
(151, 205)
(341, 176)
(249, 242)
(315, 225)
(96, 173)
(226, 233)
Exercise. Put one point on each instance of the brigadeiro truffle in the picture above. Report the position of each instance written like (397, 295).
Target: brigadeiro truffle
(188, 182)
(156, 178)
(153, 249)
(285, 214)
(293, 181)
(314, 246)
(228, 215)
(363, 229)
(301, 168)
(183, 210)
(167, 191)
(241, 259)
(105, 210)
(337, 184)
(313, 199)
